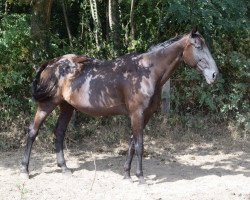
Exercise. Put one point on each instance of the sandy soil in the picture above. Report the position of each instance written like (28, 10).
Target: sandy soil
(172, 171)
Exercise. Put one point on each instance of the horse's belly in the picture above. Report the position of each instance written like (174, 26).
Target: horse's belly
(103, 111)
(96, 105)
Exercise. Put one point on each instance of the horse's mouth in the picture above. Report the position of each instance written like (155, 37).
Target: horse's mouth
(208, 80)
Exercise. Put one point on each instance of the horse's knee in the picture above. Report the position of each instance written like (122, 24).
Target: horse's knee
(139, 148)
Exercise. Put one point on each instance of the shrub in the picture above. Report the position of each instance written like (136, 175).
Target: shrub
(15, 68)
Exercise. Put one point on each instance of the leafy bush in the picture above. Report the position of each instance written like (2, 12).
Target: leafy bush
(224, 24)
(15, 68)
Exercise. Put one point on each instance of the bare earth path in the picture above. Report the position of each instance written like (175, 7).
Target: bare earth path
(204, 171)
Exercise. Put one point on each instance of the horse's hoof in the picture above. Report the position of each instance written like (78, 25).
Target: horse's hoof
(24, 176)
(24, 173)
(142, 181)
(66, 171)
(128, 178)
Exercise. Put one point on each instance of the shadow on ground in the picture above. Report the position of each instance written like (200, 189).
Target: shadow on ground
(163, 167)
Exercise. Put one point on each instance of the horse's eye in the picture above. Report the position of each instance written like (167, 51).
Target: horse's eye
(199, 47)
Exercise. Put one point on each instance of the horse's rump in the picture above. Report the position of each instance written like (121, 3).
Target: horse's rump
(46, 82)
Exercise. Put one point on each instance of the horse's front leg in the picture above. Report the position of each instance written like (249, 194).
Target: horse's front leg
(61, 126)
(131, 152)
(137, 123)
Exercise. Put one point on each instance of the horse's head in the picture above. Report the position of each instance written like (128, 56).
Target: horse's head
(197, 54)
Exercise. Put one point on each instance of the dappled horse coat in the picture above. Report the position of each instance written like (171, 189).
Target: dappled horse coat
(129, 85)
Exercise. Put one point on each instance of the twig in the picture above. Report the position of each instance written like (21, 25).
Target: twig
(95, 172)
(70, 139)
(66, 146)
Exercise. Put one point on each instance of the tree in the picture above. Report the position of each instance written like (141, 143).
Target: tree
(97, 24)
(131, 19)
(114, 24)
(101, 26)
(67, 23)
(40, 23)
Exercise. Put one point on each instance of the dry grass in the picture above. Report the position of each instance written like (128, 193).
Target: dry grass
(106, 133)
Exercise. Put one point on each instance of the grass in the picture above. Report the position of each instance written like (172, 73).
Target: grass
(112, 131)
(22, 189)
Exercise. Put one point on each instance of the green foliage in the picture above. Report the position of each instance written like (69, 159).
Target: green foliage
(224, 24)
(22, 190)
(15, 66)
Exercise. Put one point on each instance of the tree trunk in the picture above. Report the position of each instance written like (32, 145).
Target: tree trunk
(67, 23)
(97, 24)
(2, 8)
(40, 23)
(6, 8)
(165, 101)
(114, 24)
(132, 23)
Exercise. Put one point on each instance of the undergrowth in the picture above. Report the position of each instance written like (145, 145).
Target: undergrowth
(107, 132)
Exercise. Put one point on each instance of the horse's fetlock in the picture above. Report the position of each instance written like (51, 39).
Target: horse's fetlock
(24, 168)
(127, 167)
(32, 137)
(139, 174)
(61, 164)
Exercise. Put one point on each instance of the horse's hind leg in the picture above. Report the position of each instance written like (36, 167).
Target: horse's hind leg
(43, 110)
(61, 126)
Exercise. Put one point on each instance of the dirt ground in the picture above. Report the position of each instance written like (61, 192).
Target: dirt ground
(215, 170)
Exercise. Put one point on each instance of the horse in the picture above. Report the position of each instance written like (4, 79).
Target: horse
(128, 85)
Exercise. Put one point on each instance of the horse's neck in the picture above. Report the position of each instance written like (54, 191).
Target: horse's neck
(165, 60)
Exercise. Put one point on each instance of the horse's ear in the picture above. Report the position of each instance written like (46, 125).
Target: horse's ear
(194, 31)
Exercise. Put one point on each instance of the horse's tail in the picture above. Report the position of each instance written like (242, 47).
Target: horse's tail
(44, 86)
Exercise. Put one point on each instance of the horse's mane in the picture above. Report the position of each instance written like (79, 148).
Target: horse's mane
(165, 44)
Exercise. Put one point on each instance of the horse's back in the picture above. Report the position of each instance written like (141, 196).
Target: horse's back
(110, 87)
(98, 90)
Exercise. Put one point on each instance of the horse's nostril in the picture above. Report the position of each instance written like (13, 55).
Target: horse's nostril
(214, 75)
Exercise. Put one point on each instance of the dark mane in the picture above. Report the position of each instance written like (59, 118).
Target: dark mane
(165, 44)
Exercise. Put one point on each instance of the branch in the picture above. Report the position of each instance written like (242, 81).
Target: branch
(67, 23)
